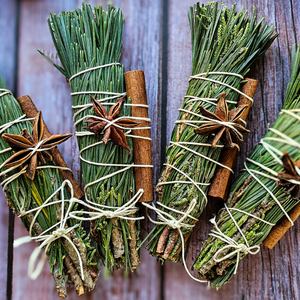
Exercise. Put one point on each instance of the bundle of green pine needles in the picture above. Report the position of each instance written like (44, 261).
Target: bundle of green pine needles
(86, 39)
(253, 205)
(225, 41)
(24, 194)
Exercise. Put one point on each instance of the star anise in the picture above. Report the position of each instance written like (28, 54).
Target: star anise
(112, 132)
(24, 144)
(228, 133)
(292, 172)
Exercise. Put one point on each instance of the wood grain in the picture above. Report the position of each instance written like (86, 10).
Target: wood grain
(8, 72)
(270, 274)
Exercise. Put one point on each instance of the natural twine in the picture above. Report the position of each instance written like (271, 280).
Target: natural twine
(276, 154)
(112, 95)
(167, 219)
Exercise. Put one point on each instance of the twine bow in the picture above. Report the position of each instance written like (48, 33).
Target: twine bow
(121, 212)
(47, 239)
(239, 248)
(169, 220)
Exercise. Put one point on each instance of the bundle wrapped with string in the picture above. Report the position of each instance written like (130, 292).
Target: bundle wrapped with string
(32, 177)
(225, 42)
(264, 193)
(89, 45)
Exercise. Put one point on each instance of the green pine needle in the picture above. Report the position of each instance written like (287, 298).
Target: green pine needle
(256, 200)
(223, 40)
(83, 39)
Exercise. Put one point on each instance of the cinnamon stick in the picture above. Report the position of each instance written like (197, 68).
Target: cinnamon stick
(220, 184)
(136, 90)
(281, 227)
(30, 110)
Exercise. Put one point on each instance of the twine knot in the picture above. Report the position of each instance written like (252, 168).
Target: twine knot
(231, 243)
(46, 238)
(22, 213)
(59, 232)
(169, 220)
(174, 224)
(109, 214)
(98, 210)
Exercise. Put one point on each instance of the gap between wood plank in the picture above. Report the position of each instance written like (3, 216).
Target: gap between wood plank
(11, 217)
(164, 98)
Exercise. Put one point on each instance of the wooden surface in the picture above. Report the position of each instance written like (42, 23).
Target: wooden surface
(157, 40)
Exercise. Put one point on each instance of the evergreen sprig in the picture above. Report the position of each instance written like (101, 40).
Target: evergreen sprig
(24, 194)
(223, 40)
(84, 39)
(250, 196)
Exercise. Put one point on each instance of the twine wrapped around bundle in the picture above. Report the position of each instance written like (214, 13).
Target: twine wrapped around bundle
(105, 127)
(263, 193)
(71, 257)
(225, 43)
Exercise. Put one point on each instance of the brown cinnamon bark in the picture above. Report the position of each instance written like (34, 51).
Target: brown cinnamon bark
(29, 108)
(281, 228)
(220, 185)
(136, 90)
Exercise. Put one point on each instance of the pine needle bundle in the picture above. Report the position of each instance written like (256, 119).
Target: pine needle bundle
(24, 195)
(225, 41)
(261, 195)
(86, 39)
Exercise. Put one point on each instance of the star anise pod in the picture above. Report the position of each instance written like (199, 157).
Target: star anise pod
(292, 172)
(228, 133)
(112, 132)
(24, 143)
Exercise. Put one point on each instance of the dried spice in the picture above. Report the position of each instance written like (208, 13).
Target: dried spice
(256, 192)
(91, 63)
(292, 172)
(112, 132)
(24, 194)
(226, 125)
(225, 43)
(27, 146)
(136, 90)
(219, 187)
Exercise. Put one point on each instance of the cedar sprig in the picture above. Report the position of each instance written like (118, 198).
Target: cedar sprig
(223, 40)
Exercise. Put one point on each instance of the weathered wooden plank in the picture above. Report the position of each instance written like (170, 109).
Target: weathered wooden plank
(270, 274)
(8, 39)
(51, 94)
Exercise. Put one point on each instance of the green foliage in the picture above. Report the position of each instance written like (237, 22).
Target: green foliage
(85, 39)
(255, 195)
(223, 40)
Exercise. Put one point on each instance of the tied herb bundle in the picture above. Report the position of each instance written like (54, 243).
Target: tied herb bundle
(225, 41)
(87, 39)
(24, 194)
(271, 165)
